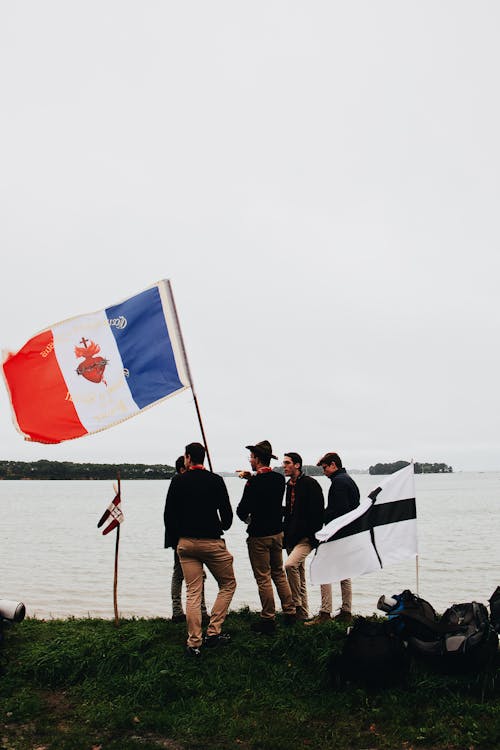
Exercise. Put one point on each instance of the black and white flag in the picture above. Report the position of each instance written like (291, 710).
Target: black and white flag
(382, 530)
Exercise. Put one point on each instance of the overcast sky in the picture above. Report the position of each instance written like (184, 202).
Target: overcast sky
(320, 181)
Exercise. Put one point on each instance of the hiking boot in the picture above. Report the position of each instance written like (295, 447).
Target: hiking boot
(320, 619)
(289, 620)
(343, 617)
(220, 639)
(179, 618)
(263, 627)
(192, 651)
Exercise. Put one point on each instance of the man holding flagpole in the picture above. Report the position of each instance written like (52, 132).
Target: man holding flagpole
(343, 497)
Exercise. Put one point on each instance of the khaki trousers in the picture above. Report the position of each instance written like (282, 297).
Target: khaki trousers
(345, 592)
(266, 559)
(193, 554)
(295, 569)
(176, 589)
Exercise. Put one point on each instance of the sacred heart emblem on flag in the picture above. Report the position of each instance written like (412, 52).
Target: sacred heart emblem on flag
(92, 368)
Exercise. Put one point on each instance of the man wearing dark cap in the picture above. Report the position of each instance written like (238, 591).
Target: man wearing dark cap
(261, 508)
(343, 496)
(196, 513)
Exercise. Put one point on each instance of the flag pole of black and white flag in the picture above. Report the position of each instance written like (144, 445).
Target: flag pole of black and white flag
(382, 530)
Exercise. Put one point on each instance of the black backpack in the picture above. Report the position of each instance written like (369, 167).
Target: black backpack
(494, 601)
(373, 655)
(462, 640)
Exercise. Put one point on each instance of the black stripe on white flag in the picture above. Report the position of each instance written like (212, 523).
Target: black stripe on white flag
(382, 530)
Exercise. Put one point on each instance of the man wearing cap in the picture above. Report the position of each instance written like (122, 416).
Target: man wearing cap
(261, 508)
(196, 513)
(304, 512)
(343, 496)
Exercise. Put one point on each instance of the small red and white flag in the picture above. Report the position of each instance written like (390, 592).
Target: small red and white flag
(114, 512)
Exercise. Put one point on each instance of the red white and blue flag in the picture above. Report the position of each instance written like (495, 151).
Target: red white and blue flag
(93, 371)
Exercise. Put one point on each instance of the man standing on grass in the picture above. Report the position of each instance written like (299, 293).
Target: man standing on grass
(343, 496)
(177, 574)
(261, 507)
(196, 513)
(304, 511)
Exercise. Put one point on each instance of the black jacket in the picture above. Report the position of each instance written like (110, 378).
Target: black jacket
(343, 495)
(263, 500)
(197, 506)
(308, 511)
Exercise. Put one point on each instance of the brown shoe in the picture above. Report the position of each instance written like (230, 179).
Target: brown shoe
(320, 619)
(343, 617)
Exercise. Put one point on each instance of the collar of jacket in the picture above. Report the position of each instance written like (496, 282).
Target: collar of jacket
(297, 479)
(339, 471)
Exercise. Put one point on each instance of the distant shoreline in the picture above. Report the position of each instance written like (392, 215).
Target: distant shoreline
(68, 470)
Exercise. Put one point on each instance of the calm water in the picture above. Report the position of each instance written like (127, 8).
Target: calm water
(54, 559)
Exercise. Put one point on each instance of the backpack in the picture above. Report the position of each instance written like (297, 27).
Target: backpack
(373, 655)
(411, 616)
(462, 640)
(494, 601)
(470, 643)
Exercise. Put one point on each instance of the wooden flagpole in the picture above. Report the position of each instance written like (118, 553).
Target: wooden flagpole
(115, 579)
(181, 339)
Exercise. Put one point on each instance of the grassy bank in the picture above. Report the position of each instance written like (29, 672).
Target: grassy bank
(85, 684)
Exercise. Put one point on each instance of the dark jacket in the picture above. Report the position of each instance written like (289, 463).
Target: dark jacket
(263, 500)
(343, 495)
(308, 511)
(197, 506)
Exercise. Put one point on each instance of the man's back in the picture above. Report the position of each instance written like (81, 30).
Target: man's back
(198, 505)
(262, 500)
(343, 495)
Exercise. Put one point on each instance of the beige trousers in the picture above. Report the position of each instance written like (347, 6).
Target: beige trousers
(266, 559)
(295, 569)
(345, 592)
(193, 554)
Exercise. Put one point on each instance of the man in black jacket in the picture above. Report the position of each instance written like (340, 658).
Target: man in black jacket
(177, 574)
(197, 510)
(304, 511)
(261, 508)
(343, 496)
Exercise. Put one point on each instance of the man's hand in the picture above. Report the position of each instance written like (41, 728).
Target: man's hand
(243, 473)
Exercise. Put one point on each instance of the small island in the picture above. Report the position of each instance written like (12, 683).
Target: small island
(419, 468)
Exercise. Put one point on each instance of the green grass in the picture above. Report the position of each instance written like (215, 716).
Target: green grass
(83, 684)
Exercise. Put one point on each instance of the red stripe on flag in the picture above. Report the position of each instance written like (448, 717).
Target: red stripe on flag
(39, 395)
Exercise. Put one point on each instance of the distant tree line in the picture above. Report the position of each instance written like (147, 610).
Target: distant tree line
(420, 468)
(67, 470)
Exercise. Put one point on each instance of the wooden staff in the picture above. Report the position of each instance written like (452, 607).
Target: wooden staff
(115, 579)
(181, 339)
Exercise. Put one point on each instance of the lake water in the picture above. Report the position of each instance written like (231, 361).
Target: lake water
(55, 560)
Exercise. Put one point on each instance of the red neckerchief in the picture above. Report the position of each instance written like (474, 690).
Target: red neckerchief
(292, 482)
(264, 470)
(196, 466)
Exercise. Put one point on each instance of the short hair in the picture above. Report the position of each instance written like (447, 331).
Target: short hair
(179, 464)
(196, 451)
(296, 458)
(330, 458)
